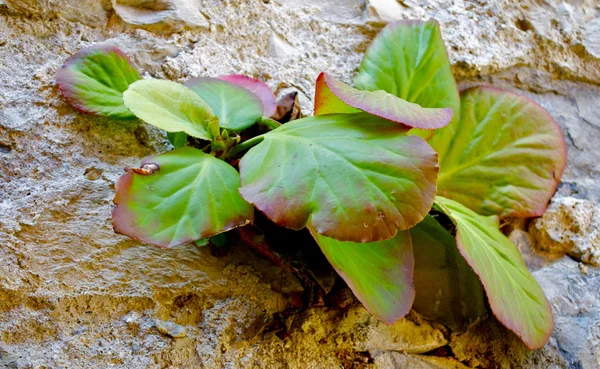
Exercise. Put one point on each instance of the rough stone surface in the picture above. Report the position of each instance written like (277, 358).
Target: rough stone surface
(575, 342)
(573, 294)
(411, 336)
(570, 226)
(75, 295)
(171, 15)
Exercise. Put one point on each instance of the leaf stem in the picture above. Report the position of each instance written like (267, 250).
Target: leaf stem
(269, 123)
(442, 209)
(245, 146)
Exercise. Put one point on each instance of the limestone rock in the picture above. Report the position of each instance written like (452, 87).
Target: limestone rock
(338, 11)
(171, 329)
(413, 336)
(591, 38)
(171, 15)
(89, 12)
(280, 48)
(395, 360)
(385, 11)
(576, 307)
(570, 226)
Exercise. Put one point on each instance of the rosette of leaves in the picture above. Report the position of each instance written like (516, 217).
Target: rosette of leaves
(501, 156)
(401, 181)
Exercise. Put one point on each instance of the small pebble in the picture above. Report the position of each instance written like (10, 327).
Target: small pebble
(135, 348)
(171, 329)
(92, 173)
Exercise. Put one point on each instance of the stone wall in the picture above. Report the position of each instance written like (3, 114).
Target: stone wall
(75, 295)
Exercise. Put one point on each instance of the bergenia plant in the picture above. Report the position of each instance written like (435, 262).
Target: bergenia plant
(401, 180)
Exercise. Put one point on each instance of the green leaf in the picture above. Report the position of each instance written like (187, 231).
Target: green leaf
(170, 106)
(326, 102)
(236, 107)
(506, 156)
(333, 96)
(219, 240)
(259, 88)
(177, 139)
(180, 196)
(515, 296)
(379, 273)
(409, 60)
(447, 289)
(94, 79)
(202, 242)
(352, 177)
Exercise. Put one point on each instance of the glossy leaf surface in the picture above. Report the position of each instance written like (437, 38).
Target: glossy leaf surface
(514, 295)
(170, 106)
(189, 196)
(352, 177)
(259, 88)
(379, 273)
(94, 79)
(236, 107)
(506, 156)
(447, 289)
(408, 59)
(333, 96)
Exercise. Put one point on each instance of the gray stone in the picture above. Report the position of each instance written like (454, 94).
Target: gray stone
(413, 336)
(171, 15)
(591, 38)
(396, 360)
(171, 329)
(338, 11)
(576, 307)
(279, 48)
(385, 11)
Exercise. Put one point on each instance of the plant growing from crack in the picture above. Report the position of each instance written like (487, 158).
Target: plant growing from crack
(401, 181)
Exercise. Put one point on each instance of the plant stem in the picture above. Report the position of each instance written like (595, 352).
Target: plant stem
(269, 123)
(244, 146)
(441, 208)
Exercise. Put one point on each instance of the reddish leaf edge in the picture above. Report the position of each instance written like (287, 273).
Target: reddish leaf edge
(63, 77)
(197, 82)
(335, 86)
(257, 87)
(387, 320)
(497, 313)
(122, 218)
(557, 173)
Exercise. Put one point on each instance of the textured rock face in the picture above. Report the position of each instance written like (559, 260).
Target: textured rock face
(570, 226)
(73, 294)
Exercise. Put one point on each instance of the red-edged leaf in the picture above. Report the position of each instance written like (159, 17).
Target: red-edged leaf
(353, 177)
(325, 100)
(333, 96)
(379, 273)
(408, 59)
(259, 88)
(94, 79)
(514, 295)
(506, 154)
(177, 197)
